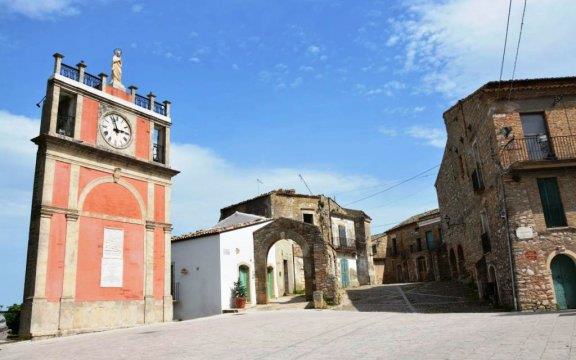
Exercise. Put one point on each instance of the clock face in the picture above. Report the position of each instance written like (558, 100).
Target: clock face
(116, 131)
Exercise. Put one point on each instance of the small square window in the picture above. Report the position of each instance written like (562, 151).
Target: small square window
(308, 218)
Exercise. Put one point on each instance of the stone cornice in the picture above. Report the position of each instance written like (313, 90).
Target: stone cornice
(91, 151)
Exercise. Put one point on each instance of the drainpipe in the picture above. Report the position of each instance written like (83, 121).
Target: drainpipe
(510, 256)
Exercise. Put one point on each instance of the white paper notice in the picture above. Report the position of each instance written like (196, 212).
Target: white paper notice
(112, 269)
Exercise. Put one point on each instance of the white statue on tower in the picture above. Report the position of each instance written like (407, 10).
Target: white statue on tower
(117, 69)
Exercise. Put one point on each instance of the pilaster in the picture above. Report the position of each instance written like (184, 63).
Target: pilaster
(149, 273)
(167, 146)
(54, 108)
(78, 115)
(168, 311)
(42, 254)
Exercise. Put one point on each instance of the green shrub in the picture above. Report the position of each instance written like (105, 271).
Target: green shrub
(12, 316)
(239, 291)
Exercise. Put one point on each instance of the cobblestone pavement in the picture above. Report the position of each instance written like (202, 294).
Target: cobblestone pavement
(326, 334)
(428, 297)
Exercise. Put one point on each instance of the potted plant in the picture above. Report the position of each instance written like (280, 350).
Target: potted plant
(239, 294)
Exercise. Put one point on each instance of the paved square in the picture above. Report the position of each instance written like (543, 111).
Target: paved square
(397, 333)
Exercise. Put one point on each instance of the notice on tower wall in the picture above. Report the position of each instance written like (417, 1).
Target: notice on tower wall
(112, 269)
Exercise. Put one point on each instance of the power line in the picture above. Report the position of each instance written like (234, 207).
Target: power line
(505, 45)
(393, 186)
(517, 50)
(306, 184)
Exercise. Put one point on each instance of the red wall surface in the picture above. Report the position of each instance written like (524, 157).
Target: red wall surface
(56, 251)
(158, 287)
(90, 111)
(143, 139)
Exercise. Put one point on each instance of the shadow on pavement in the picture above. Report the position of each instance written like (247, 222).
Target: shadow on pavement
(428, 297)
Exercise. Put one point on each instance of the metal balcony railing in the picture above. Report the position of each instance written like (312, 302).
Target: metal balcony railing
(539, 148)
(158, 153)
(70, 72)
(344, 244)
(92, 81)
(159, 108)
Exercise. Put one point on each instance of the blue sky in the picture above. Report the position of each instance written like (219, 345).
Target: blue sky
(349, 94)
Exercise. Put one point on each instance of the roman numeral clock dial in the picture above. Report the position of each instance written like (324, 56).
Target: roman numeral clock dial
(116, 131)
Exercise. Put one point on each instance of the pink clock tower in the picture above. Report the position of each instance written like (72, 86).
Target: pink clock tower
(99, 242)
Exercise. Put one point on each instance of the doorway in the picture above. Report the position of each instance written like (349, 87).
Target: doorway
(422, 272)
(536, 136)
(344, 272)
(244, 279)
(564, 278)
(270, 282)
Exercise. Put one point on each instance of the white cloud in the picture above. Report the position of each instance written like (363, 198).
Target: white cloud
(456, 45)
(15, 134)
(137, 8)
(387, 131)
(432, 136)
(208, 182)
(42, 9)
(297, 82)
(313, 49)
(389, 89)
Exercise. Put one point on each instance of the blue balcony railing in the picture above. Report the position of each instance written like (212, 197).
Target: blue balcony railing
(159, 108)
(92, 81)
(141, 101)
(70, 72)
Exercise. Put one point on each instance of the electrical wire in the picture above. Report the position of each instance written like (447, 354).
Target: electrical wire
(517, 49)
(393, 186)
(505, 45)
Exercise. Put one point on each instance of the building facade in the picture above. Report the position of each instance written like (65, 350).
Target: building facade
(506, 192)
(346, 231)
(99, 243)
(416, 251)
(379, 244)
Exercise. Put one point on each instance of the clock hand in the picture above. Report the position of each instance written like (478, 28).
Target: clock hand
(115, 126)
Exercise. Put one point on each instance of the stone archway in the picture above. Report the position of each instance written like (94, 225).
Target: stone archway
(317, 271)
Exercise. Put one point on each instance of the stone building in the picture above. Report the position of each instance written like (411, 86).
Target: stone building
(99, 241)
(416, 251)
(506, 190)
(345, 231)
(379, 244)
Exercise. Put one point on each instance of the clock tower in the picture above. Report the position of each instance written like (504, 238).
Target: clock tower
(99, 241)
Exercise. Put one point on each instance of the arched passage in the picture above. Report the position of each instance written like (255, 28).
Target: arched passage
(453, 265)
(564, 278)
(317, 270)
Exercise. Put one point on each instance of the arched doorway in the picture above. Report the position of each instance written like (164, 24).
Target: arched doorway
(492, 288)
(318, 272)
(244, 279)
(453, 265)
(399, 277)
(270, 282)
(461, 261)
(564, 278)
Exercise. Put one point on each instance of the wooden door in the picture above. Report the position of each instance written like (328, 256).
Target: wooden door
(564, 278)
(270, 283)
(344, 272)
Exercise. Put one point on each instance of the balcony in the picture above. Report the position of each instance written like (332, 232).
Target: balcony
(343, 244)
(539, 151)
(78, 73)
(65, 125)
(486, 244)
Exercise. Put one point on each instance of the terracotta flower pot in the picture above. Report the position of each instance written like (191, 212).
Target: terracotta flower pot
(240, 302)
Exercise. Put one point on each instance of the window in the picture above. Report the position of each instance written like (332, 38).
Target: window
(477, 178)
(308, 218)
(418, 244)
(551, 202)
(430, 240)
(374, 249)
(66, 118)
(485, 237)
(411, 248)
(342, 235)
(441, 236)
(158, 144)
(394, 247)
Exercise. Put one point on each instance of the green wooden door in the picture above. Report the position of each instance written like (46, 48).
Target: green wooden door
(244, 278)
(270, 283)
(345, 272)
(564, 277)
